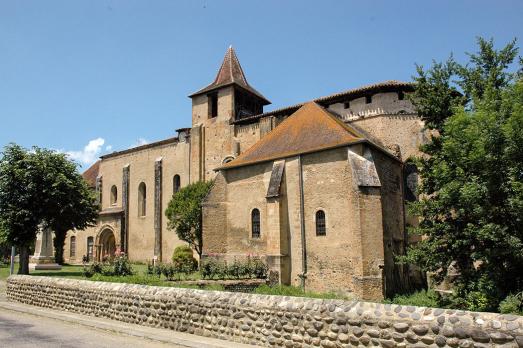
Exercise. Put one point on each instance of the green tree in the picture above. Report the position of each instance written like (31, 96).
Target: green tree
(40, 188)
(471, 191)
(69, 202)
(20, 209)
(184, 213)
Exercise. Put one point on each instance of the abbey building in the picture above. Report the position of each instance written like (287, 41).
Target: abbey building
(315, 189)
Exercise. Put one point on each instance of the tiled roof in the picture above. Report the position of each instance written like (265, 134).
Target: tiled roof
(310, 129)
(390, 85)
(91, 174)
(230, 73)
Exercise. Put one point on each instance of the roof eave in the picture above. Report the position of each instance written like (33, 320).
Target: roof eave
(289, 155)
(211, 88)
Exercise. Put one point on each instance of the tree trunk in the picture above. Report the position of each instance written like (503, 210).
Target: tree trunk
(23, 266)
(58, 243)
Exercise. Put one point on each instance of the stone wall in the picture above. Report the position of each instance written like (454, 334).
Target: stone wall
(272, 321)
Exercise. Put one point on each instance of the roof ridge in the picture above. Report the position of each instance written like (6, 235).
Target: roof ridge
(311, 128)
(231, 72)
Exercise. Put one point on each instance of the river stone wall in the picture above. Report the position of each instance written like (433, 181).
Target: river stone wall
(273, 321)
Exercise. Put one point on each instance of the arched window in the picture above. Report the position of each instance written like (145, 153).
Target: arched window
(176, 183)
(142, 198)
(72, 247)
(321, 229)
(255, 222)
(90, 246)
(410, 177)
(114, 195)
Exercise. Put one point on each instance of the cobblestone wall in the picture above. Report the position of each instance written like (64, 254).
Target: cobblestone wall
(271, 320)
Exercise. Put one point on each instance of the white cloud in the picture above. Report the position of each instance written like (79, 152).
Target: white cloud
(90, 153)
(140, 142)
(108, 148)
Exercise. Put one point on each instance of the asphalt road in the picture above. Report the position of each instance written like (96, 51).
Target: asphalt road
(24, 330)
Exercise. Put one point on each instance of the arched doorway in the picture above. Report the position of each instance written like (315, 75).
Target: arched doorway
(107, 244)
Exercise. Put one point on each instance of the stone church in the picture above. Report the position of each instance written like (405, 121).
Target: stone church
(316, 189)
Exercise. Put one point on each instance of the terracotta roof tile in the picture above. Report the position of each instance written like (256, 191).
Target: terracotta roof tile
(230, 73)
(312, 128)
(91, 174)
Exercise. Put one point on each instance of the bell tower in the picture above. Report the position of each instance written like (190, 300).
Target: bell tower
(228, 98)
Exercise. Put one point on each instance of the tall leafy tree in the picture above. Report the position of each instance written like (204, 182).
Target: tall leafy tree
(69, 202)
(41, 188)
(184, 213)
(471, 215)
(20, 198)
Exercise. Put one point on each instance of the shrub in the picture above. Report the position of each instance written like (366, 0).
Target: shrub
(212, 268)
(94, 268)
(150, 268)
(183, 260)
(119, 266)
(259, 269)
(252, 268)
(422, 298)
(512, 304)
(236, 270)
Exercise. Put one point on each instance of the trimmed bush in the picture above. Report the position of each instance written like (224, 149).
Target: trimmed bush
(183, 260)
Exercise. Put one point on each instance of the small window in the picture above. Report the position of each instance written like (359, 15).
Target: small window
(114, 195)
(90, 245)
(321, 229)
(212, 100)
(346, 105)
(410, 183)
(176, 183)
(401, 95)
(142, 199)
(368, 99)
(72, 247)
(255, 222)
(227, 159)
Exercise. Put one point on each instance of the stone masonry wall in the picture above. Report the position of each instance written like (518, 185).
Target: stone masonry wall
(272, 321)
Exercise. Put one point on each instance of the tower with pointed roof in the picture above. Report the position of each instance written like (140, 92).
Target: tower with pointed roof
(214, 108)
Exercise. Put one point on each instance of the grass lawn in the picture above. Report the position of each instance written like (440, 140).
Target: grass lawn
(67, 271)
(140, 277)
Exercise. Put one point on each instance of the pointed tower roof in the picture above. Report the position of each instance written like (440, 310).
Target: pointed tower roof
(231, 73)
(310, 129)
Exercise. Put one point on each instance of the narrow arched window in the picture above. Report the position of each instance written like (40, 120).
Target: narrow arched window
(321, 229)
(90, 247)
(176, 183)
(72, 247)
(114, 195)
(255, 223)
(410, 181)
(142, 199)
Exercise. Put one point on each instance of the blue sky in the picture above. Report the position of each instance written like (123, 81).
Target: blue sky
(91, 77)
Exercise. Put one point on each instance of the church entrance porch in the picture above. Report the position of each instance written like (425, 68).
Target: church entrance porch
(106, 246)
